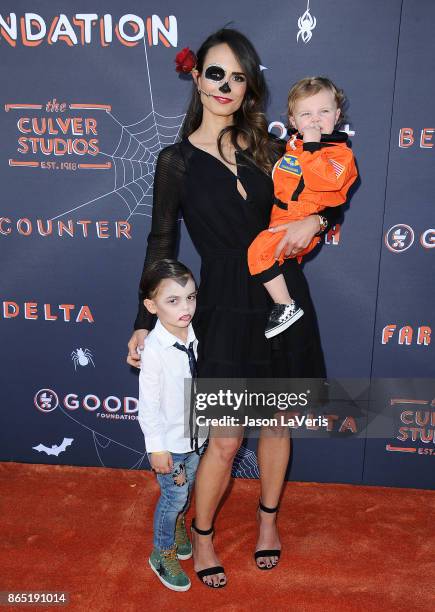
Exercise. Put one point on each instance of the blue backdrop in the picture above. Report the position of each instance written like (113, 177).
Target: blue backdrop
(87, 102)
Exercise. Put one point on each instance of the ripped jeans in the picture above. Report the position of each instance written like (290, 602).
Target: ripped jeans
(175, 493)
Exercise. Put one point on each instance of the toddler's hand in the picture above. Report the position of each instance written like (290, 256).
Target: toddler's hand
(312, 134)
(162, 463)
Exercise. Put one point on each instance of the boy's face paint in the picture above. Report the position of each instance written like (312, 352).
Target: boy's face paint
(174, 304)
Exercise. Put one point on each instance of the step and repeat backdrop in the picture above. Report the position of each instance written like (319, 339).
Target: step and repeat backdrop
(88, 99)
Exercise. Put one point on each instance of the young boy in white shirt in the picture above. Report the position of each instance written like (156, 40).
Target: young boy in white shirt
(168, 358)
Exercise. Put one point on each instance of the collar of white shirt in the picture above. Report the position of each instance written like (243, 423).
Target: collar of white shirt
(167, 339)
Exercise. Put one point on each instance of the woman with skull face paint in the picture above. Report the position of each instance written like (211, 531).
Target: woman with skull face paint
(218, 177)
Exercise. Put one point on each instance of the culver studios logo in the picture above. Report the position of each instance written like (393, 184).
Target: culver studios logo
(415, 426)
(400, 237)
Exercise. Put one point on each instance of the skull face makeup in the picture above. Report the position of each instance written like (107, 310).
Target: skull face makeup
(221, 82)
(217, 73)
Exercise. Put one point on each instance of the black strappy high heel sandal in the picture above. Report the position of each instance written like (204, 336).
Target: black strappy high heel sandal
(271, 552)
(208, 571)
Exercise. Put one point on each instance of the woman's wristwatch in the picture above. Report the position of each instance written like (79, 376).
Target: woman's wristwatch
(324, 224)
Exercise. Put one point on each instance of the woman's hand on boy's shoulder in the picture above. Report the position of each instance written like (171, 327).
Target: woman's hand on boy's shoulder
(162, 462)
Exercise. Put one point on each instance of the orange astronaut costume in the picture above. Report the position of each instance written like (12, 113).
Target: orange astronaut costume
(308, 178)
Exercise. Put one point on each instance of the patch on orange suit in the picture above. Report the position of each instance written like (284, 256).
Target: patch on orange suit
(290, 163)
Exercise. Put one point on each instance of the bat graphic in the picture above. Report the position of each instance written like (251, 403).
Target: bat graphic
(55, 449)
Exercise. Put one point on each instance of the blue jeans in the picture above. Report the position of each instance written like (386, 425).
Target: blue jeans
(175, 491)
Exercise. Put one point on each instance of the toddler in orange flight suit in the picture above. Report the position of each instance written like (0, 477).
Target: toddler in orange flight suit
(315, 172)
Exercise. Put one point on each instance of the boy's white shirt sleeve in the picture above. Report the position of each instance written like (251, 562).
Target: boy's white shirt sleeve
(150, 419)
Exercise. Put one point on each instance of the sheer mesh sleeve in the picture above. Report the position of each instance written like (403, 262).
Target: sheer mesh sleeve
(162, 239)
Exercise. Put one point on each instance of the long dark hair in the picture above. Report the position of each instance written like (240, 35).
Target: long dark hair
(250, 125)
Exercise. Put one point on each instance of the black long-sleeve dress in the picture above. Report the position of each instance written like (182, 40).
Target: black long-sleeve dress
(232, 306)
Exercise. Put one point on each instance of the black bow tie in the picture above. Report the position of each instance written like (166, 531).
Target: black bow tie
(194, 373)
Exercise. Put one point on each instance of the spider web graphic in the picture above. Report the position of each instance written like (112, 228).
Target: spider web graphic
(245, 464)
(134, 157)
(103, 442)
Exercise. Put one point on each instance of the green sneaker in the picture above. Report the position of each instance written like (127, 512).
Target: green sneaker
(184, 547)
(167, 568)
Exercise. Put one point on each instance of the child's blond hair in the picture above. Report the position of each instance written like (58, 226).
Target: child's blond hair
(310, 86)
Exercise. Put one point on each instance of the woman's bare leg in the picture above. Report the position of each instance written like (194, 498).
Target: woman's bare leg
(211, 482)
(273, 457)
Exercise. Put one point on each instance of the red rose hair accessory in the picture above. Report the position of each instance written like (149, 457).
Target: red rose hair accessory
(185, 61)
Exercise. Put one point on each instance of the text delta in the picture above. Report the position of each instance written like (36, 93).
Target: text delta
(33, 311)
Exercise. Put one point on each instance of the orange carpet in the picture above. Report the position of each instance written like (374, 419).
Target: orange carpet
(88, 531)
